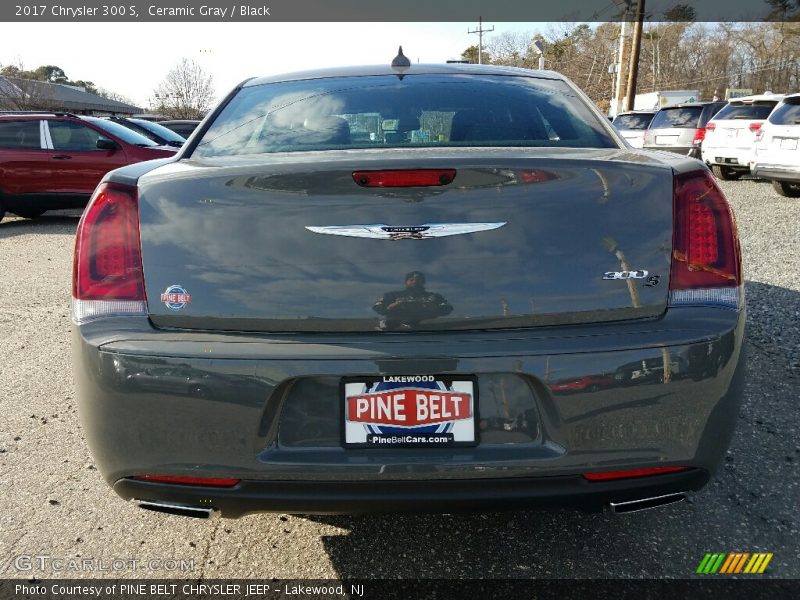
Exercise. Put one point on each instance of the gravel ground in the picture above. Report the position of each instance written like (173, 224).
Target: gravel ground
(56, 504)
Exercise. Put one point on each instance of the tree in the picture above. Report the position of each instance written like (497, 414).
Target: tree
(20, 90)
(51, 73)
(471, 54)
(187, 92)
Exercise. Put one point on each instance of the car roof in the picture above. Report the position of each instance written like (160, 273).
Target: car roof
(645, 111)
(758, 97)
(36, 115)
(416, 69)
(690, 104)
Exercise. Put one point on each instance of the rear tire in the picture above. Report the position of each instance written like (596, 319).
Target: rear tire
(785, 188)
(725, 173)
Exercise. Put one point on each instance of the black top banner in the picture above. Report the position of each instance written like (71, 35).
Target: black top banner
(399, 10)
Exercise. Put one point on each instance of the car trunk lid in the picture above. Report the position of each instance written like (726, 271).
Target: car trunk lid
(517, 239)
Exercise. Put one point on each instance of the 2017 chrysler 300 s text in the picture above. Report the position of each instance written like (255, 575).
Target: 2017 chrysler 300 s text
(365, 282)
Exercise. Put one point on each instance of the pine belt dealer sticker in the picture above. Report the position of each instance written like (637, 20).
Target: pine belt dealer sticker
(409, 411)
(175, 297)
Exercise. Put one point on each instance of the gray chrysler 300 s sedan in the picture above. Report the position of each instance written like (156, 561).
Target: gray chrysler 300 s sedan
(427, 287)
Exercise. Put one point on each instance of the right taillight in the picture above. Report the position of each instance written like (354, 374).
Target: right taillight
(706, 263)
(107, 269)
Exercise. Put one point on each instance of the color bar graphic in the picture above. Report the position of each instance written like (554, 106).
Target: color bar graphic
(733, 563)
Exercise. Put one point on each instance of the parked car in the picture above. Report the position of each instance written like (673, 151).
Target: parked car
(633, 124)
(401, 297)
(681, 128)
(731, 134)
(589, 383)
(158, 133)
(183, 127)
(55, 160)
(777, 151)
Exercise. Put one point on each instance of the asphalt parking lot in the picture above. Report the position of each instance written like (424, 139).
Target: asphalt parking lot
(56, 505)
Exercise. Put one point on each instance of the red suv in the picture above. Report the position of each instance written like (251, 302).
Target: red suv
(55, 160)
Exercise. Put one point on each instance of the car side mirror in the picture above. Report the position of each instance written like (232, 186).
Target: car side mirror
(106, 144)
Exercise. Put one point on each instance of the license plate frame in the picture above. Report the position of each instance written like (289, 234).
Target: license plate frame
(378, 424)
(788, 143)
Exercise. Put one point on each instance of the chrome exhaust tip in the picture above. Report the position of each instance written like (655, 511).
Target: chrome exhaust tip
(181, 510)
(645, 503)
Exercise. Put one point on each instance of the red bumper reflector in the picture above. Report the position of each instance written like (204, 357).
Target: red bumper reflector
(207, 481)
(404, 177)
(606, 475)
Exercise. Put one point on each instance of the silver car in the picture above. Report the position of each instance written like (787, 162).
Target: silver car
(681, 128)
(632, 125)
(358, 289)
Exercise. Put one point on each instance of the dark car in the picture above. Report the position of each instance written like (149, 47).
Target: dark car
(399, 258)
(681, 128)
(161, 135)
(55, 160)
(183, 127)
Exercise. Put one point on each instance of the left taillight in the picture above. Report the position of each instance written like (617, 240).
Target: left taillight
(107, 275)
(699, 136)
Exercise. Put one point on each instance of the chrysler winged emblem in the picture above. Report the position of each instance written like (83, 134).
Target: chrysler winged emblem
(405, 232)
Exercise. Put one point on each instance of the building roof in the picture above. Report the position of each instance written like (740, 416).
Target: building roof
(59, 96)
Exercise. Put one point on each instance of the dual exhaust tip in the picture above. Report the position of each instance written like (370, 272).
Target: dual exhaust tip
(640, 504)
(180, 510)
(206, 512)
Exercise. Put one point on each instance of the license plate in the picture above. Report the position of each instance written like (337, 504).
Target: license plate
(666, 139)
(409, 411)
(788, 144)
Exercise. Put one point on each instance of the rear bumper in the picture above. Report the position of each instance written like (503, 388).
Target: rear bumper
(267, 411)
(736, 158)
(300, 497)
(776, 172)
(690, 151)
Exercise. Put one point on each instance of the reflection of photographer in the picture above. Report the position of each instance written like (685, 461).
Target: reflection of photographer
(404, 309)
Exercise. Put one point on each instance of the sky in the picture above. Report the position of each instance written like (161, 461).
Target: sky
(133, 58)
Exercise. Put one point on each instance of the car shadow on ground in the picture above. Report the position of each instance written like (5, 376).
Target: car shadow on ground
(55, 223)
(743, 509)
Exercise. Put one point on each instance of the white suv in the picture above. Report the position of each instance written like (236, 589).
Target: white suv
(731, 134)
(777, 153)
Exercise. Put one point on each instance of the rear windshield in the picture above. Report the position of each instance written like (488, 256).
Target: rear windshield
(627, 122)
(122, 132)
(787, 113)
(393, 112)
(683, 117)
(756, 111)
(151, 130)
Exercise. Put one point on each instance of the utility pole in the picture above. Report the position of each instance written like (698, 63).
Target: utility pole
(480, 31)
(623, 48)
(636, 46)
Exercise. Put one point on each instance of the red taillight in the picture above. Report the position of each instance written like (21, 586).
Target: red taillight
(755, 127)
(711, 126)
(705, 246)
(699, 136)
(404, 177)
(107, 269)
(606, 475)
(179, 480)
